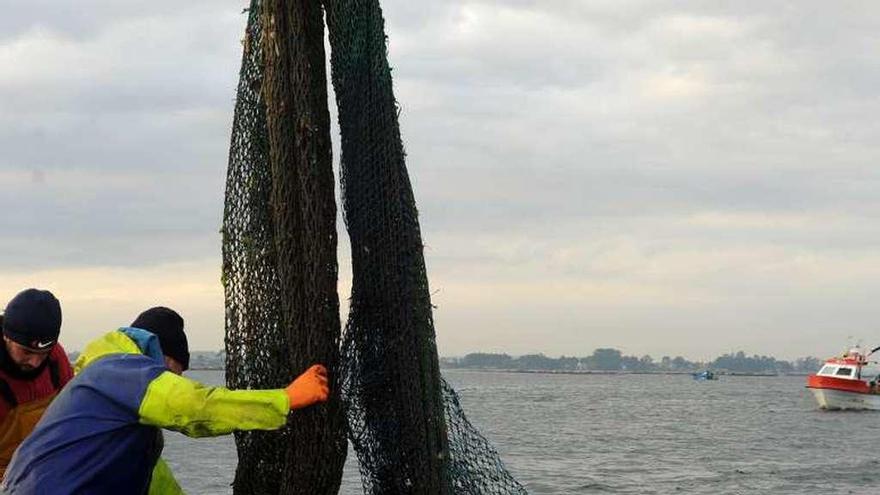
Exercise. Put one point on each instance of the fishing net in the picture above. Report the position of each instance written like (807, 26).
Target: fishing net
(279, 247)
(405, 423)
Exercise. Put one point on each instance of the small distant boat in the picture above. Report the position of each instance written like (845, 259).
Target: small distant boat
(839, 383)
(705, 375)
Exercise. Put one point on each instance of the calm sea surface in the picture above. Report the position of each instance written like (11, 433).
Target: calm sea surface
(636, 434)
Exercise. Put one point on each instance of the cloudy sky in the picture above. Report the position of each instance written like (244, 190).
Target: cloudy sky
(663, 177)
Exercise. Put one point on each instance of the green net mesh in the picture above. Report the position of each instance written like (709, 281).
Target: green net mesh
(405, 423)
(255, 343)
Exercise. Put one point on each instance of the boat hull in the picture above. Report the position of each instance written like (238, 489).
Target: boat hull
(840, 399)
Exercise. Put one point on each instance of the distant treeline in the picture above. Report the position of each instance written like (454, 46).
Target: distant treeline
(613, 360)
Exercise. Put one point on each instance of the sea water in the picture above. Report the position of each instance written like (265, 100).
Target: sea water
(632, 434)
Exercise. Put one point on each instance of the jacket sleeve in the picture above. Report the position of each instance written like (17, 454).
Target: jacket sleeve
(162, 482)
(180, 404)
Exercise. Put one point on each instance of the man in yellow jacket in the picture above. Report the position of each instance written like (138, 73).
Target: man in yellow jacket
(102, 433)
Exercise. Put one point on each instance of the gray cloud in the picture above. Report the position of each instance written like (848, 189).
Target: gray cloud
(618, 172)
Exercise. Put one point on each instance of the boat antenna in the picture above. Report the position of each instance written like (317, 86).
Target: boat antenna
(874, 350)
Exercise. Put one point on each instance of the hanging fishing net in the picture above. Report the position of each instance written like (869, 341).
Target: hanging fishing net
(405, 423)
(279, 248)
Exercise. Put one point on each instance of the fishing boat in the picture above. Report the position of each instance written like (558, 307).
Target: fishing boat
(705, 375)
(840, 383)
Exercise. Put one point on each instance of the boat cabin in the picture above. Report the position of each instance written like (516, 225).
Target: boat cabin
(847, 367)
(845, 371)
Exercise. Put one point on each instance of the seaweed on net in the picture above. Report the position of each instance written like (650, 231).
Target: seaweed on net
(279, 247)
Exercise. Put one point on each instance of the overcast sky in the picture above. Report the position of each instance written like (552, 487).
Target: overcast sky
(670, 178)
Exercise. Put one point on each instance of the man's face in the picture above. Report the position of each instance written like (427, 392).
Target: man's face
(25, 358)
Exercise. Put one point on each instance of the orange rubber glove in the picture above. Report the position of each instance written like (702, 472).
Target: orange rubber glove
(309, 388)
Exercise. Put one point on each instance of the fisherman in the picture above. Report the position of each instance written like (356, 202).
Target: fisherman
(102, 434)
(33, 366)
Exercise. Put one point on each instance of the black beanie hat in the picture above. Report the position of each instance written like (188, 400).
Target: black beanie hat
(33, 319)
(167, 325)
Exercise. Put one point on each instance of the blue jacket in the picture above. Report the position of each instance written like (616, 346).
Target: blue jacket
(101, 434)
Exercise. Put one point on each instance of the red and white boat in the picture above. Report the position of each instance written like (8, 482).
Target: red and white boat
(840, 384)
